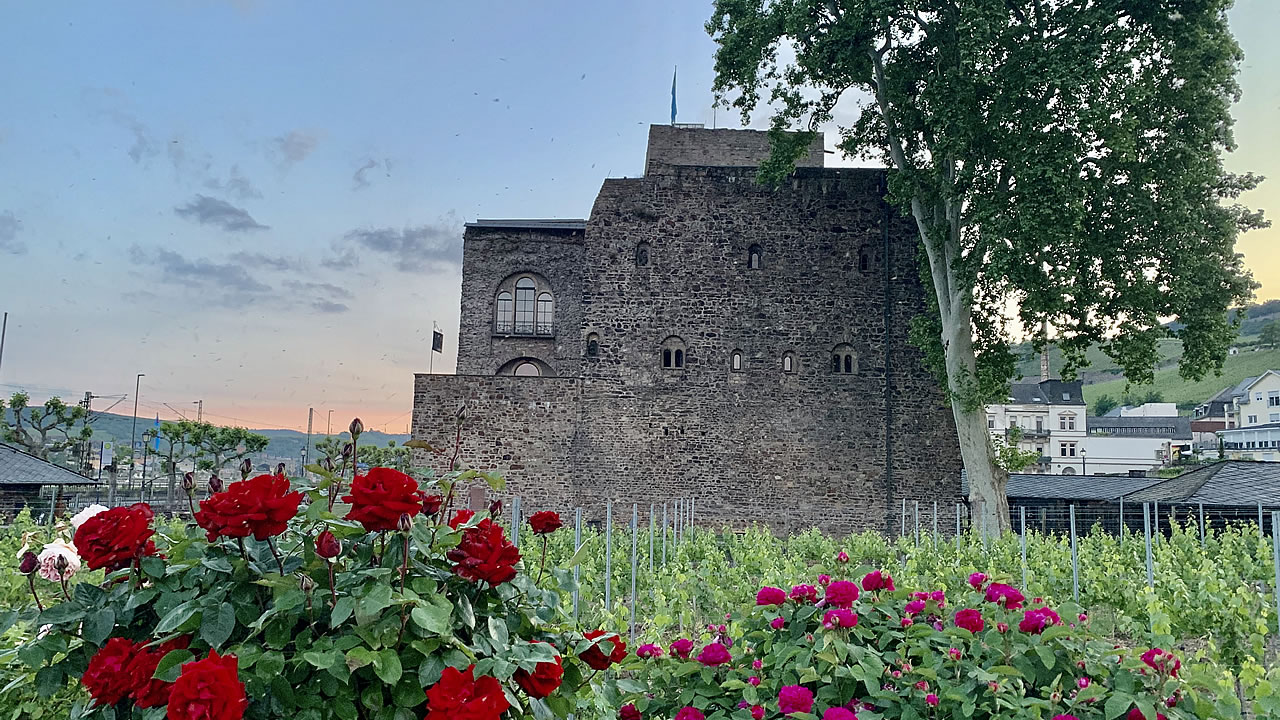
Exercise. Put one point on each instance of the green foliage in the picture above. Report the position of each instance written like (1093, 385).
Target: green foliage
(1104, 404)
(1177, 389)
(1010, 456)
(43, 430)
(1269, 336)
(1133, 397)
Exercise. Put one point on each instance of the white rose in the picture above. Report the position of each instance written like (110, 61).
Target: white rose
(49, 560)
(85, 514)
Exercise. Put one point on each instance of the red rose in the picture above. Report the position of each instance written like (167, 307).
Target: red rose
(484, 554)
(208, 689)
(595, 655)
(106, 678)
(114, 538)
(260, 506)
(544, 679)
(545, 522)
(460, 696)
(431, 504)
(327, 546)
(381, 496)
(460, 517)
(628, 712)
(147, 691)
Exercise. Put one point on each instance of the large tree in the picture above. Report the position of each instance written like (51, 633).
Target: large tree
(215, 447)
(1061, 159)
(43, 429)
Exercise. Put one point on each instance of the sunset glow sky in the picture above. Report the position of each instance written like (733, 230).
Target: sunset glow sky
(260, 204)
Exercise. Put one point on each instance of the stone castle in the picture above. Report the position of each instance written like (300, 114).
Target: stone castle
(702, 336)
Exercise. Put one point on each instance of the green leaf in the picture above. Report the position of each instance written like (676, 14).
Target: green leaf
(578, 556)
(176, 617)
(61, 613)
(344, 708)
(359, 657)
(7, 619)
(140, 598)
(498, 631)
(1046, 656)
(631, 686)
(372, 604)
(465, 613)
(170, 665)
(1117, 705)
(388, 668)
(322, 660)
(217, 624)
(432, 618)
(153, 567)
(98, 625)
(49, 680)
(221, 564)
(341, 611)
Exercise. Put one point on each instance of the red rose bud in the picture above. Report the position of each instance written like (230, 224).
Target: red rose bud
(405, 523)
(356, 428)
(545, 522)
(495, 508)
(327, 464)
(246, 467)
(280, 469)
(431, 504)
(327, 546)
(189, 481)
(215, 484)
(30, 563)
(347, 450)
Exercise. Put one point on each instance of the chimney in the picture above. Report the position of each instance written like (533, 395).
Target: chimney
(1137, 473)
(1044, 354)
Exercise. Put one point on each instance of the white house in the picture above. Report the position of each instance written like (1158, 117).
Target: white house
(1050, 418)
(1256, 435)
(1137, 441)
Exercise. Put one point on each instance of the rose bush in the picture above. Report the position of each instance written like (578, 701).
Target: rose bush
(962, 656)
(278, 604)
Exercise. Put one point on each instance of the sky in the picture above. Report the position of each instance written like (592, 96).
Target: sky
(259, 204)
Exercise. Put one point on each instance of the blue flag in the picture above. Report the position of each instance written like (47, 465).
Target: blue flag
(673, 96)
(156, 440)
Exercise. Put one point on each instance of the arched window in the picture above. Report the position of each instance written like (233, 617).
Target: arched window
(864, 260)
(525, 290)
(546, 313)
(788, 362)
(642, 254)
(593, 344)
(673, 353)
(844, 360)
(1068, 471)
(527, 369)
(735, 361)
(502, 317)
(753, 257)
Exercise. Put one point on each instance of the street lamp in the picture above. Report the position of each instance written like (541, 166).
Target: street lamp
(133, 434)
(328, 428)
(1084, 470)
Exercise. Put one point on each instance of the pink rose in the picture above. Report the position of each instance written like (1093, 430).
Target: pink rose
(842, 556)
(839, 618)
(1002, 627)
(714, 654)
(753, 681)
(877, 580)
(776, 623)
(954, 653)
(1005, 596)
(770, 596)
(838, 713)
(931, 699)
(841, 594)
(977, 579)
(915, 607)
(690, 713)
(757, 712)
(824, 580)
(794, 699)
(649, 651)
(907, 622)
(970, 620)
(1035, 621)
(804, 594)
(682, 648)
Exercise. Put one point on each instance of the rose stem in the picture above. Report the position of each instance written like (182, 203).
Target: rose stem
(333, 592)
(542, 564)
(31, 582)
(272, 544)
(404, 567)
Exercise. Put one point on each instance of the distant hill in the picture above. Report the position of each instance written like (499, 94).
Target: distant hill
(284, 443)
(1187, 394)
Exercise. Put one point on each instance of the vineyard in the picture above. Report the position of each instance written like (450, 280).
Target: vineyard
(1210, 598)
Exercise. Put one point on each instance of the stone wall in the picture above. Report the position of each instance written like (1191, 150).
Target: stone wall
(671, 146)
(789, 449)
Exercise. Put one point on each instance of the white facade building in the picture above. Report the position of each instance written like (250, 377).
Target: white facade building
(1141, 438)
(1257, 412)
(1050, 419)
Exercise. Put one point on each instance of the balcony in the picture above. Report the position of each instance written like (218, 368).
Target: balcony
(506, 328)
(1027, 433)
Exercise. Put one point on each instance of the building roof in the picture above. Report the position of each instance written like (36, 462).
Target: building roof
(1047, 392)
(18, 467)
(1229, 482)
(532, 224)
(1247, 428)
(1068, 487)
(1174, 428)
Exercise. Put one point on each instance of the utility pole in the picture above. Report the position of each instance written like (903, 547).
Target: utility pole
(137, 384)
(4, 329)
(199, 410)
(306, 451)
(328, 428)
(86, 447)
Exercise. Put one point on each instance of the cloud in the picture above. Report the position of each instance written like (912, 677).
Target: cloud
(326, 306)
(201, 273)
(344, 258)
(212, 211)
(413, 249)
(322, 288)
(275, 262)
(291, 149)
(358, 181)
(9, 242)
(236, 184)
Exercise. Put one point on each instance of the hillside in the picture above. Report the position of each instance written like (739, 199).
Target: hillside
(1187, 393)
(284, 443)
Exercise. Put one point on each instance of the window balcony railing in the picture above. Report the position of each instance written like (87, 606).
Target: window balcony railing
(1044, 460)
(1027, 433)
(523, 329)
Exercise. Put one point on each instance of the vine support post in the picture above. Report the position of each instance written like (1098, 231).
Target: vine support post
(1146, 531)
(608, 556)
(635, 543)
(577, 545)
(1202, 526)
(916, 513)
(935, 524)
(664, 535)
(902, 525)
(1022, 525)
(957, 528)
(1075, 556)
(1261, 533)
(1275, 561)
(515, 521)
(652, 507)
